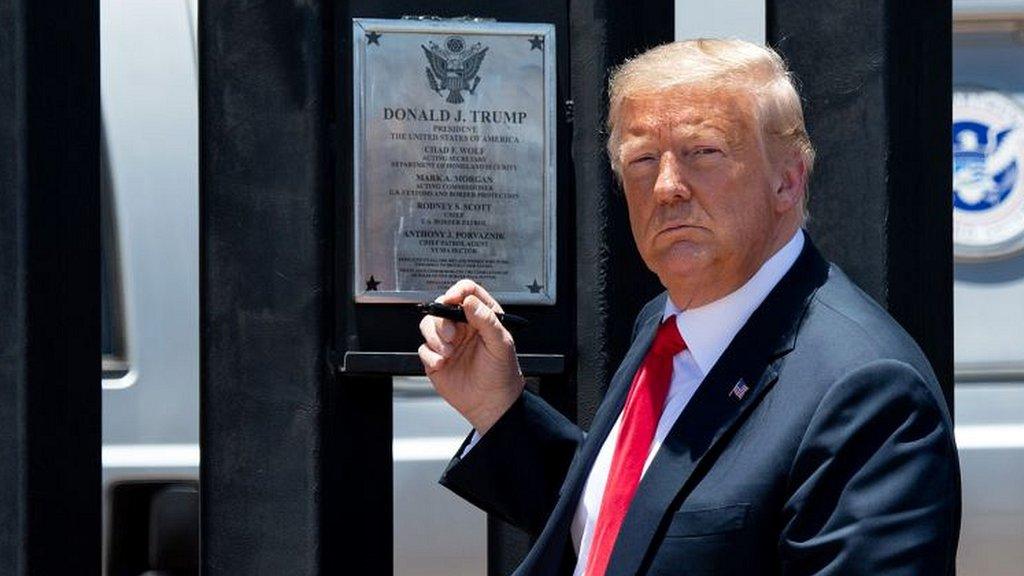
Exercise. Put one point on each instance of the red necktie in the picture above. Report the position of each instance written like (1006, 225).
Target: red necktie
(640, 417)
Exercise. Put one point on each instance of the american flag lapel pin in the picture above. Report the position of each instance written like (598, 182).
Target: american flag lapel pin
(739, 390)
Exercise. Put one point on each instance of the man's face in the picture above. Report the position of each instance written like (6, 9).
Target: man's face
(702, 194)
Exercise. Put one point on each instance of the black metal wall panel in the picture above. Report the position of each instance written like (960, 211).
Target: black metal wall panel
(49, 289)
(920, 252)
(876, 83)
(357, 456)
(13, 372)
(838, 52)
(263, 286)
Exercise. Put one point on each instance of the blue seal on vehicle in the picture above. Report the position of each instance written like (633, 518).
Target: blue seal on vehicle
(988, 174)
(978, 184)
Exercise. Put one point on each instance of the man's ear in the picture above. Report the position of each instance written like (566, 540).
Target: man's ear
(791, 182)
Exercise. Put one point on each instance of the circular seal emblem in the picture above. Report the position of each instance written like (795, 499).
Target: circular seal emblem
(988, 174)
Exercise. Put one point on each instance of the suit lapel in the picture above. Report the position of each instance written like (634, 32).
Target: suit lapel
(613, 402)
(745, 371)
(545, 559)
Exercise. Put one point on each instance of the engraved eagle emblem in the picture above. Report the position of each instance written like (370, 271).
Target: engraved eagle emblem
(454, 67)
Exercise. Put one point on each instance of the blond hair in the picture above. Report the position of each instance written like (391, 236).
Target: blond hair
(717, 64)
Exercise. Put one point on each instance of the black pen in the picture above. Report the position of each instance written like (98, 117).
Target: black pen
(454, 312)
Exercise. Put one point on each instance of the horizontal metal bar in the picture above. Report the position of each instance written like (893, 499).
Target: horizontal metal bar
(408, 364)
(990, 436)
(989, 372)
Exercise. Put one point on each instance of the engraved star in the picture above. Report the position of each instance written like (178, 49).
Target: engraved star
(535, 288)
(372, 38)
(372, 283)
(536, 43)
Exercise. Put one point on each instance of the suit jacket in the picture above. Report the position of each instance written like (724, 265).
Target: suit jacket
(839, 459)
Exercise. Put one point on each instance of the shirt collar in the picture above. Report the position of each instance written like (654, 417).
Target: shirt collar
(709, 329)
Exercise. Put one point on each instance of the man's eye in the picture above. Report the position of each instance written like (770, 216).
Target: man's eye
(640, 160)
(705, 151)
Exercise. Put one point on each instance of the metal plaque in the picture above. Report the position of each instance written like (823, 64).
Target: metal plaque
(454, 167)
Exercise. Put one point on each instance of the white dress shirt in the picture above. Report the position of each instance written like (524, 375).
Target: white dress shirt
(707, 331)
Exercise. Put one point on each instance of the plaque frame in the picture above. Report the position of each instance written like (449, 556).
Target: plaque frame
(361, 27)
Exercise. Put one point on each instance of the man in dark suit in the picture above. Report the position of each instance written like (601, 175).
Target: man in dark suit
(769, 418)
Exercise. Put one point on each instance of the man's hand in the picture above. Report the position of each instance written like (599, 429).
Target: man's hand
(473, 366)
